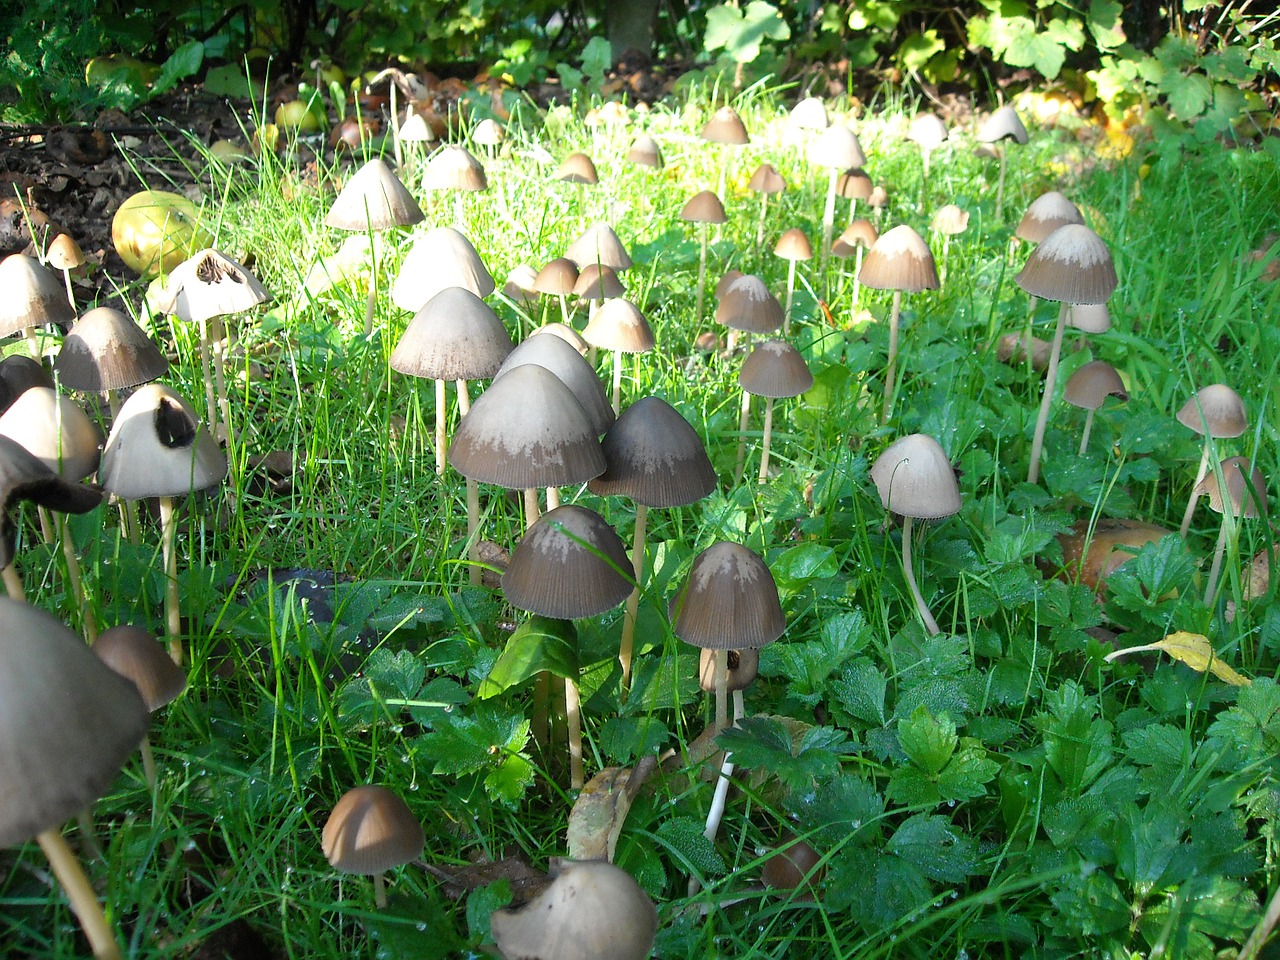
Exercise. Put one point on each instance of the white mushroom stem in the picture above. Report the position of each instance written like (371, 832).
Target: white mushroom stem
(722, 689)
(395, 128)
(764, 207)
(1088, 427)
(718, 800)
(1215, 568)
(46, 527)
(128, 510)
(764, 444)
(459, 213)
(617, 382)
(553, 498)
(33, 342)
(71, 297)
(627, 645)
(702, 271)
(573, 720)
(829, 214)
(857, 269)
(564, 309)
(80, 894)
(13, 583)
(220, 383)
(473, 498)
(380, 891)
(1050, 381)
(791, 287)
(930, 624)
(441, 432)
(206, 368)
(891, 365)
(1191, 501)
(744, 417)
(87, 624)
(168, 538)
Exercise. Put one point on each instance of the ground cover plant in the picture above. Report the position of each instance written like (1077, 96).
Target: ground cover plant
(984, 769)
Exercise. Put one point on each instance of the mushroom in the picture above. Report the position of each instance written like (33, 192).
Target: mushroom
(747, 305)
(702, 208)
(854, 185)
(370, 831)
(860, 235)
(1241, 493)
(765, 181)
(489, 133)
(591, 911)
(928, 133)
(65, 254)
(597, 283)
(454, 168)
(809, 113)
(579, 169)
(619, 326)
(792, 246)
(773, 369)
(949, 221)
(18, 374)
(836, 150)
(558, 278)
(599, 245)
(645, 152)
(915, 480)
(725, 127)
(1088, 388)
(440, 258)
(1003, 124)
(1216, 412)
(33, 297)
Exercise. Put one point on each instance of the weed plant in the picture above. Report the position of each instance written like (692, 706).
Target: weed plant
(995, 791)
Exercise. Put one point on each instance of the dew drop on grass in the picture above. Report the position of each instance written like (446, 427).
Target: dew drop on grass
(413, 786)
(422, 927)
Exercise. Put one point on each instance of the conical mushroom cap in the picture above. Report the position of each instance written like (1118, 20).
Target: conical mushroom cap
(373, 199)
(899, 260)
(861, 233)
(1071, 265)
(592, 911)
(488, 133)
(371, 830)
(570, 564)
(1089, 387)
(654, 457)
(527, 430)
(748, 305)
(774, 368)
(793, 245)
(725, 126)
(578, 168)
(854, 185)
(67, 723)
(619, 325)
(1223, 412)
(598, 282)
(519, 284)
(158, 448)
(455, 336)
(914, 479)
(730, 601)
(454, 168)
(55, 430)
(645, 152)
(442, 257)
(837, 148)
(1047, 213)
(704, 207)
(559, 356)
(598, 244)
(64, 253)
(18, 374)
(23, 477)
(135, 654)
(1245, 488)
(950, 220)
(105, 350)
(744, 667)
(557, 277)
(809, 114)
(566, 333)
(210, 284)
(1089, 317)
(927, 131)
(1002, 124)
(33, 294)
(766, 180)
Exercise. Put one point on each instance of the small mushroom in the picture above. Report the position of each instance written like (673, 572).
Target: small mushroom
(1216, 412)
(1088, 388)
(837, 150)
(702, 208)
(1242, 493)
(792, 246)
(370, 831)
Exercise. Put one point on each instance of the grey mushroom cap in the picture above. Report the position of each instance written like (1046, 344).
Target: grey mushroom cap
(210, 284)
(67, 723)
(559, 356)
(1047, 213)
(809, 114)
(599, 244)
(454, 168)
(775, 368)
(766, 179)
(136, 655)
(655, 457)
(1216, 410)
(729, 602)
(374, 198)
(645, 152)
(1089, 317)
(915, 479)
(899, 260)
(571, 563)
(158, 448)
(591, 911)
(18, 374)
(1003, 124)
(747, 304)
(442, 257)
(24, 477)
(105, 350)
(56, 430)
(927, 131)
(33, 294)
(1089, 387)
(1071, 265)
(455, 336)
(527, 430)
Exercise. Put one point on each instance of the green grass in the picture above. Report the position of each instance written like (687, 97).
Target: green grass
(998, 791)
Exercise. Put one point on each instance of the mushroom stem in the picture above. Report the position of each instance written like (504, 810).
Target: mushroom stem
(148, 763)
(617, 382)
(473, 525)
(573, 720)
(540, 719)
(71, 296)
(13, 583)
(1050, 380)
(1084, 437)
(930, 624)
(791, 286)
(857, 269)
(553, 498)
(168, 538)
(1000, 184)
(764, 445)
(743, 417)
(441, 431)
(702, 271)
(564, 309)
(371, 304)
(380, 891)
(206, 369)
(459, 212)
(87, 624)
(627, 645)
(80, 893)
(531, 512)
(1215, 568)
(46, 528)
(395, 128)
(1191, 500)
(722, 689)
(464, 398)
(891, 365)
(128, 511)
(764, 207)
(33, 342)
(829, 215)
(220, 382)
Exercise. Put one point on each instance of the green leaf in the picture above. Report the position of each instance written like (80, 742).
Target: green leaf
(935, 847)
(740, 32)
(839, 809)
(860, 689)
(539, 644)
(413, 928)
(807, 664)
(686, 837)
(927, 741)
(467, 742)
(597, 58)
(509, 780)
(184, 62)
(1089, 904)
(1104, 22)
(917, 49)
(1077, 743)
(1188, 94)
(481, 904)
(808, 561)
(798, 754)
(394, 675)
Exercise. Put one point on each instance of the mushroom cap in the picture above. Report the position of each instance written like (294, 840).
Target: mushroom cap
(837, 148)
(793, 245)
(809, 114)
(599, 244)
(766, 180)
(878, 197)
(578, 168)
(854, 185)
(24, 477)
(440, 258)
(1089, 317)
(725, 126)
(67, 723)
(134, 653)
(950, 220)
(927, 131)
(519, 284)
(1089, 387)
(527, 430)
(569, 564)
(566, 333)
(18, 374)
(210, 284)
(1223, 412)
(105, 350)
(899, 260)
(598, 282)
(64, 253)
(744, 667)
(729, 602)
(861, 233)
(645, 152)
(557, 277)
(371, 830)
(373, 199)
(704, 207)
(619, 325)
(774, 368)
(33, 294)
(654, 457)
(55, 430)
(488, 133)
(1002, 124)
(415, 129)
(1071, 265)
(726, 281)
(591, 911)
(748, 305)
(1047, 213)
(562, 359)
(454, 168)
(455, 336)
(914, 479)
(158, 448)
(1246, 488)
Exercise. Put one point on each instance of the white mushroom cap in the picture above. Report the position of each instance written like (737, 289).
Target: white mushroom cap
(158, 448)
(914, 478)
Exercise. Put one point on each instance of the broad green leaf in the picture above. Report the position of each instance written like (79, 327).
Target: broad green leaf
(481, 904)
(538, 644)
(917, 49)
(509, 780)
(182, 63)
(860, 689)
(483, 736)
(843, 808)
(927, 741)
(807, 664)
(1103, 20)
(687, 840)
(806, 561)
(1077, 743)
(876, 889)
(1089, 904)
(797, 753)
(936, 847)
(396, 675)
(740, 32)
(413, 928)
(1188, 94)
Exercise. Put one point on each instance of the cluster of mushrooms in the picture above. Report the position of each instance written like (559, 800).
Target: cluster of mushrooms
(574, 431)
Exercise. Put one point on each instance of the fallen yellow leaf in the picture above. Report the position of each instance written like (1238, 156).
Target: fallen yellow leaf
(1195, 651)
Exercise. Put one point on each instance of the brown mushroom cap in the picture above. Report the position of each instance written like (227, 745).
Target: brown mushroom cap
(837, 148)
(488, 133)
(599, 244)
(1223, 412)
(1071, 265)
(1246, 488)
(371, 830)
(619, 325)
(56, 430)
(899, 260)
(64, 253)
(725, 126)
(105, 350)
(559, 356)
(1046, 214)
(578, 168)
(654, 457)
(726, 281)
(645, 152)
(766, 180)
(519, 284)
(861, 233)
(774, 368)
(748, 305)
(950, 220)
(1002, 124)
(210, 284)
(729, 602)
(598, 282)
(24, 477)
(592, 911)
(557, 277)
(454, 168)
(809, 114)
(67, 723)
(570, 564)
(33, 295)
(566, 333)
(373, 199)
(854, 185)
(442, 257)
(1089, 387)
(455, 336)
(914, 479)
(704, 207)
(1089, 317)
(744, 667)
(793, 245)
(134, 653)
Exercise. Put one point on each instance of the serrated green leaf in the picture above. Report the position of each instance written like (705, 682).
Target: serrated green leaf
(481, 737)
(935, 847)
(1077, 743)
(482, 902)
(394, 675)
(539, 644)
(1104, 22)
(508, 781)
(686, 836)
(1188, 94)
(413, 928)
(917, 49)
(807, 561)
(182, 63)
(808, 664)
(1089, 904)
(795, 752)
(860, 689)
(927, 741)
(740, 32)
(843, 808)
(876, 889)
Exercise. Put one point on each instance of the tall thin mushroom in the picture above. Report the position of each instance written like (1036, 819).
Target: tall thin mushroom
(1216, 412)
(1241, 494)
(774, 369)
(702, 208)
